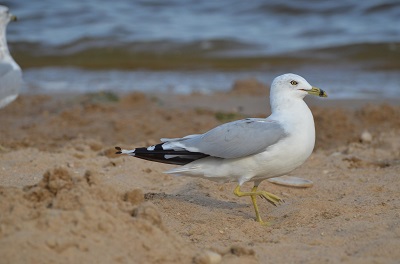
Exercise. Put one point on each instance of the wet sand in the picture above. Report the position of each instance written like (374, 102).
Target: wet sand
(66, 197)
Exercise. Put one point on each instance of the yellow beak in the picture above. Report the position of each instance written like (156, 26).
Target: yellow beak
(318, 92)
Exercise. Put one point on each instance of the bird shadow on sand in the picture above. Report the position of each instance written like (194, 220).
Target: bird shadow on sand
(197, 194)
(198, 198)
(204, 200)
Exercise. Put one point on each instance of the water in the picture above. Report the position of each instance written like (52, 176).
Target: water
(352, 47)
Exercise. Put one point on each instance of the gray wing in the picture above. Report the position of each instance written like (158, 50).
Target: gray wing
(235, 139)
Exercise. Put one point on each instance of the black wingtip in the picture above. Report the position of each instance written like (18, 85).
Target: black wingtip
(119, 150)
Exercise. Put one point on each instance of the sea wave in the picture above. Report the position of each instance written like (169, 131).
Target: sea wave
(269, 27)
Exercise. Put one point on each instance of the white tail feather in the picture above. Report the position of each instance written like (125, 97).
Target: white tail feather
(130, 152)
(181, 170)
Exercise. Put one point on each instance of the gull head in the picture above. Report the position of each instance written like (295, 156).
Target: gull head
(6, 16)
(293, 85)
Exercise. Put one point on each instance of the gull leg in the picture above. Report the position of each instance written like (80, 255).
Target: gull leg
(253, 195)
(254, 201)
(272, 198)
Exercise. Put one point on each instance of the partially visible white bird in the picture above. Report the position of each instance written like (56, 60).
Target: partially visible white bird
(252, 149)
(10, 72)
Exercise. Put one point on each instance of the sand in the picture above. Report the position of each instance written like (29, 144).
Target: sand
(66, 198)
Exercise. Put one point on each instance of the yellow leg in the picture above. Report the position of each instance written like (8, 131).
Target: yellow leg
(275, 200)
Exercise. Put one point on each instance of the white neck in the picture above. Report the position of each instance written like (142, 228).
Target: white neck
(293, 110)
(285, 102)
(4, 52)
(295, 116)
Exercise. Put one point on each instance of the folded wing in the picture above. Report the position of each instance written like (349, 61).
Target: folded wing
(232, 140)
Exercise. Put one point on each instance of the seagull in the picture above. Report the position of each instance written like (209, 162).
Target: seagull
(10, 72)
(252, 149)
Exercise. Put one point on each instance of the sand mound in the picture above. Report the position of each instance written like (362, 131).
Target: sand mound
(65, 218)
(250, 86)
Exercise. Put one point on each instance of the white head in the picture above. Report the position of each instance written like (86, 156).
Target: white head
(288, 87)
(5, 16)
(294, 85)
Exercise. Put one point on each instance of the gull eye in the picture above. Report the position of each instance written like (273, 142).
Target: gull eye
(294, 83)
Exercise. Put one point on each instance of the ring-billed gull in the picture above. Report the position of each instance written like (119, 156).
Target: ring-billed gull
(10, 72)
(252, 149)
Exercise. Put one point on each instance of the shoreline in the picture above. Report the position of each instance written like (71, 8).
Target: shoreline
(339, 81)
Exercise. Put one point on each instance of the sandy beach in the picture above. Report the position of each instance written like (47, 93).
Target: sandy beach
(65, 197)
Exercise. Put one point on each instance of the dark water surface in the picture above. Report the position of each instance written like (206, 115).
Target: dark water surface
(351, 48)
